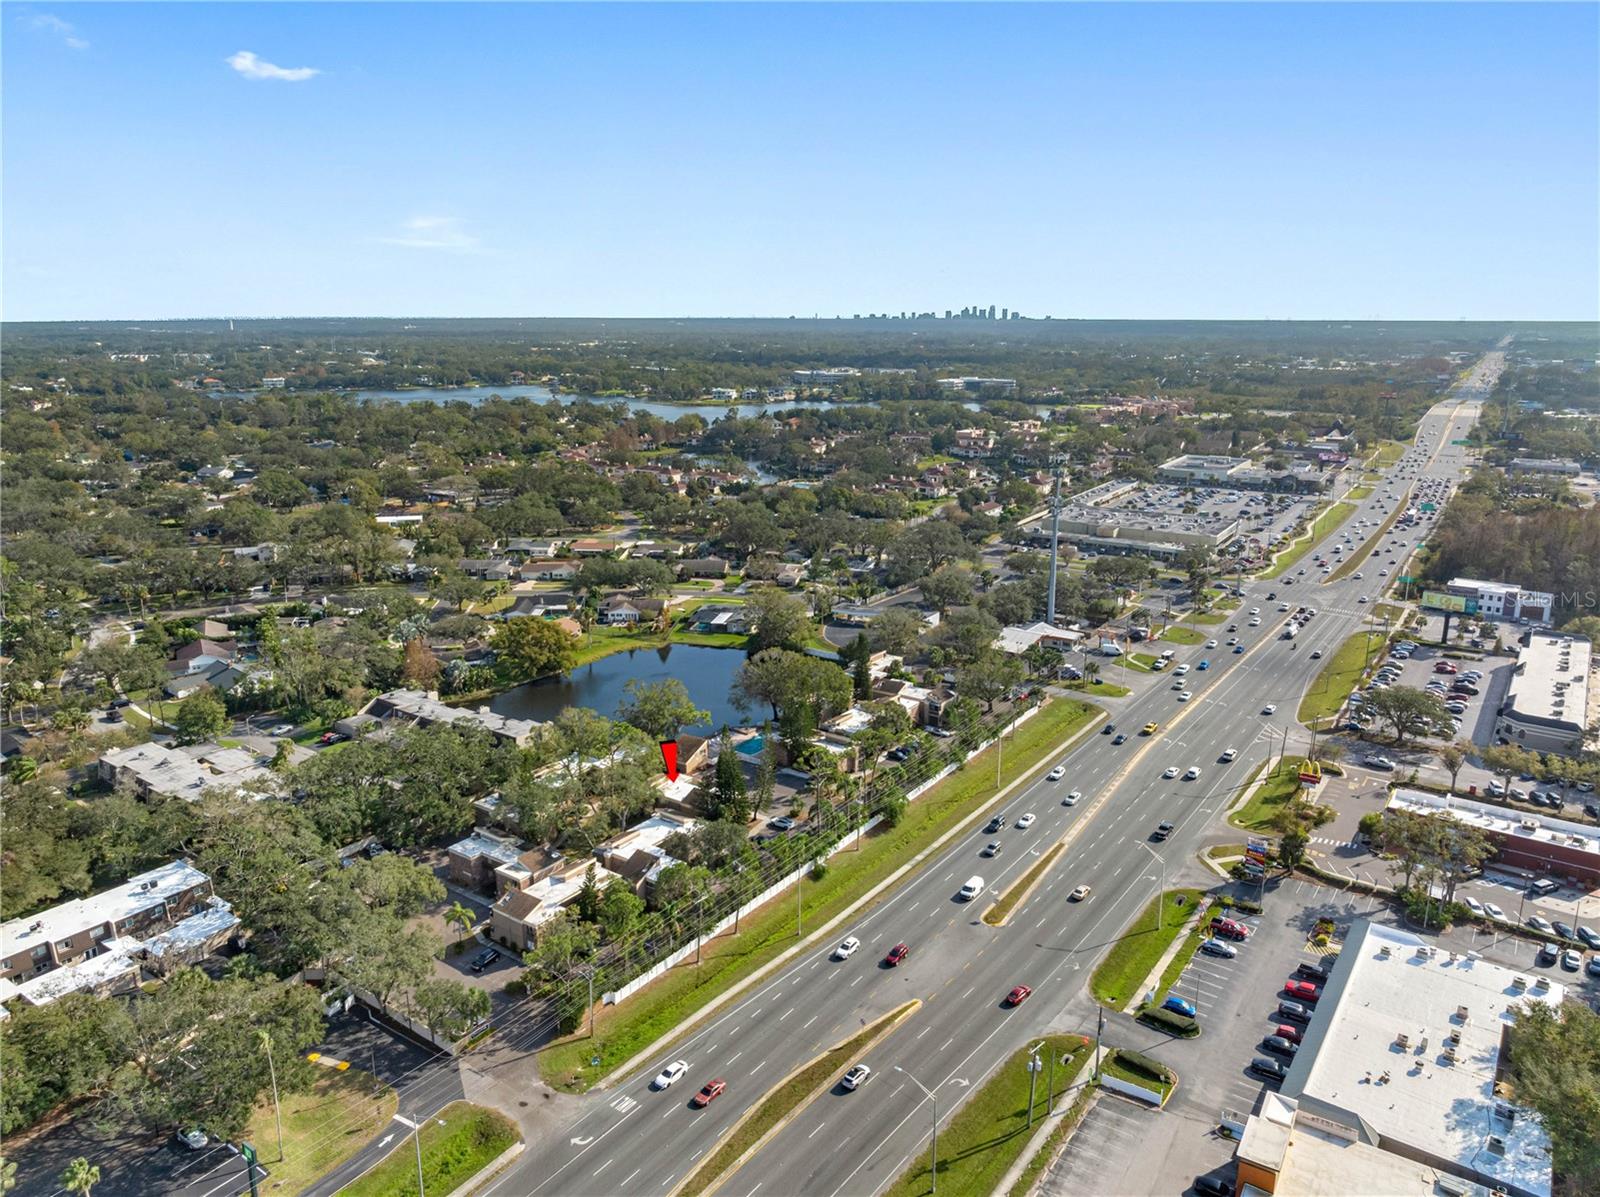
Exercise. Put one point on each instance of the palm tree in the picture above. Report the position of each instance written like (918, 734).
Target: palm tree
(461, 916)
(80, 1177)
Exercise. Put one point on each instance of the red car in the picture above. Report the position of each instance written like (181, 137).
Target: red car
(709, 1094)
(1292, 1034)
(1444, 667)
(1229, 929)
(1018, 995)
(896, 954)
(1301, 991)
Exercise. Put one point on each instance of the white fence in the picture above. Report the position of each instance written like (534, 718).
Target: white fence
(783, 883)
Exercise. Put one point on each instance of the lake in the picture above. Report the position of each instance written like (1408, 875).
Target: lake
(707, 673)
(710, 412)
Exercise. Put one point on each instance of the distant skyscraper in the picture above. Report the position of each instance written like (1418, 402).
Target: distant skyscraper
(1005, 313)
(947, 313)
(991, 311)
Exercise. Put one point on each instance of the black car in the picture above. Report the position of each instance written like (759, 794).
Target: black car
(1312, 971)
(1211, 1186)
(1108, 729)
(1279, 1046)
(1565, 930)
(994, 825)
(1268, 1069)
(1547, 954)
(1293, 1012)
(1120, 739)
(1162, 831)
(1589, 936)
(374, 850)
(484, 959)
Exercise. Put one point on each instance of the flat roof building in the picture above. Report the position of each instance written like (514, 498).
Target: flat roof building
(184, 772)
(1546, 706)
(1535, 842)
(425, 709)
(1404, 1053)
(1502, 600)
(1543, 465)
(97, 944)
(1212, 469)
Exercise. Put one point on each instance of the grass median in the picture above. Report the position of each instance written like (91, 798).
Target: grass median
(324, 1126)
(671, 1002)
(1001, 910)
(457, 1143)
(1355, 560)
(1116, 981)
(991, 1129)
(1329, 519)
(1339, 676)
(790, 1096)
(1278, 787)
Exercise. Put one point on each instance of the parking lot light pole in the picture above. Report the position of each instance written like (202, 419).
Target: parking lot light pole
(932, 1097)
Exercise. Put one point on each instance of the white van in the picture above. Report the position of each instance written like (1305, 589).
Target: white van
(971, 889)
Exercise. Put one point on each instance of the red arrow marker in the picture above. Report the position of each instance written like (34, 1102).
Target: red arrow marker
(669, 757)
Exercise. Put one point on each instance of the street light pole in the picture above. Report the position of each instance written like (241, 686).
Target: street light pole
(416, 1128)
(1034, 1068)
(1162, 892)
(930, 1095)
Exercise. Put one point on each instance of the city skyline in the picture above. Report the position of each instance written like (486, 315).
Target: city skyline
(1196, 161)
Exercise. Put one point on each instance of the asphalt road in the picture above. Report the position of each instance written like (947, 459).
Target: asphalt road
(631, 1140)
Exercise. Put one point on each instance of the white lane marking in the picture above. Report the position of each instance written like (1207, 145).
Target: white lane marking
(786, 1014)
(602, 1167)
(820, 1125)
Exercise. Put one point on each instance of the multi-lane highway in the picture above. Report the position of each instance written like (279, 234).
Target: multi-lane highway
(632, 1140)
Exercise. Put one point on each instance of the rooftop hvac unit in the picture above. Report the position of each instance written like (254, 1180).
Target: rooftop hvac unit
(1449, 1055)
(1519, 982)
(1496, 1145)
(1425, 950)
(1452, 1187)
(1383, 952)
(1541, 983)
(1504, 1112)
(1455, 1036)
(1530, 825)
(1402, 1041)
(1462, 1013)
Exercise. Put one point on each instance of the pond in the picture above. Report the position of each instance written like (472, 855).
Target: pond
(707, 673)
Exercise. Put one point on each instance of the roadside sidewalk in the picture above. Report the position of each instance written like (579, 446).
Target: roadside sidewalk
(1154, 978)
(1049, 1123)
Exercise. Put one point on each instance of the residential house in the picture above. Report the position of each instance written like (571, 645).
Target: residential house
(732, 620)
(617, 610)
(199, 655)
(544, 604)
(489, 569)
(973, 442)
(524, 548)
(593, 547)
(221, 677)
(703, 567)
(560, 570)
(791, 573)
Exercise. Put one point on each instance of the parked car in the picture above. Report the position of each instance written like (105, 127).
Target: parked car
(1177, 1005)
(1218, 947)
(484, 959)
(1294, 1012)
(191, 1138)
(1302, 991)
(1267, 1069)
(1279, 1046)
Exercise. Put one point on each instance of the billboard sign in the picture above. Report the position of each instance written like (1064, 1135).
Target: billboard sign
(1438, 600)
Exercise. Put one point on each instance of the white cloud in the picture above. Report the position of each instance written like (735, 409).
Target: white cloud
(46, 23)
(433, 232)
(251, 67)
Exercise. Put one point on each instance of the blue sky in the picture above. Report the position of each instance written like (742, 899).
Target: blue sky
(1297, 160)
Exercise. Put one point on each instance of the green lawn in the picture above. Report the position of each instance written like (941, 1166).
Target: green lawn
(1330, 518)
(1169, 975)
(996, 914)
(1390, 452)
(1094, 686)
(1140, 661)
(1339, 675)
(1124, 1067)
(672, 1001)
(457, 1143)
(1356, 493)
(779, 1103)
(989, 1132)
(1116, 982)
(603, 641)
(1178, 634)
(322, 1127)
(1209, 616)
(1280, 786)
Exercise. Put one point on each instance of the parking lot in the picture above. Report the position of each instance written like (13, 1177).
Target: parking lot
(1421, 670)
(1124, 1149)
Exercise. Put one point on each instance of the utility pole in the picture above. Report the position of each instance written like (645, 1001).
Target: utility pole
(799, 910)
(416, 1129)
(272, 1071)
(1099, 1030)
(1050, 1087)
